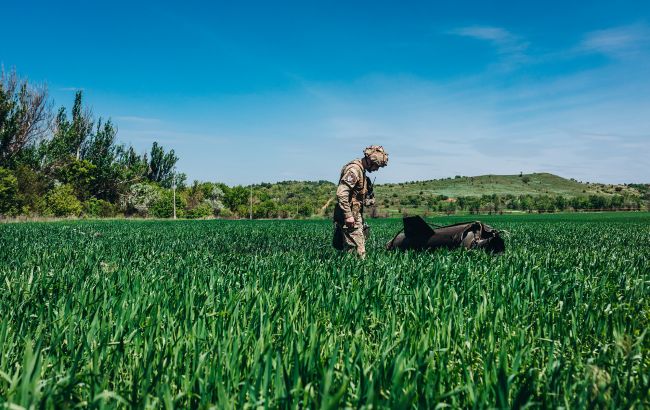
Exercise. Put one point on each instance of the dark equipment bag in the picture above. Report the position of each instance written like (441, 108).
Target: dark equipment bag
(418, 235)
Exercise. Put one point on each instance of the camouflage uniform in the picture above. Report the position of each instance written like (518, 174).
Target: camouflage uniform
(351, 198)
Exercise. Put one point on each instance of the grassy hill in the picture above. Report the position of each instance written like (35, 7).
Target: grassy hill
(305, 197)
(526, 184)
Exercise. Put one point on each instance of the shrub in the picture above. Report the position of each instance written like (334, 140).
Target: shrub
(61, 201)
(8, 192)
(226, 213)
(163, 207)
(202, 210)
(140, 197)
(32, 189)
(266, 209)
(98, 208)
(305, 210)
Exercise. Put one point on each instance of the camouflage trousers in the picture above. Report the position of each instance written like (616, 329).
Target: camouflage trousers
(350, 239)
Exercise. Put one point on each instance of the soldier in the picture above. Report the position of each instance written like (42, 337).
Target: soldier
(350, 230)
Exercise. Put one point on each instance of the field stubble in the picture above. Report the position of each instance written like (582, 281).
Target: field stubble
(242, 314)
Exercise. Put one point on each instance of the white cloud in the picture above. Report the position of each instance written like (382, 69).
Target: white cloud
(511, 48)
(505, 41)
(618, 42)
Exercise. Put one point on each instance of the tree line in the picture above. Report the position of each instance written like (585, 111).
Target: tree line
(496, 203)
(65, 162)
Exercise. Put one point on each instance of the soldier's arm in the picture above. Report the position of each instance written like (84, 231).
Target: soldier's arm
(343, 197)
(351, 178)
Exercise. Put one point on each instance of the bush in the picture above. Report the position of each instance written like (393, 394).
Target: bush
(141, 197)
(202, 210)
(266, 209)
(242, 211)
(226, 213)
(61, 201)
(164, 206)
(306, 210)
(33, 186)
(8, 192)
(98, 208)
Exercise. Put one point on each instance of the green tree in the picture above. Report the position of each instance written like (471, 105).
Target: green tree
(100, 150)
(265, 209)
(306, 210)
(80, 174)
(449, 207)
(237, 197)
(70, 135)
(130, 168)
(598, 202)
(161, 165)
(195, 195)
(205, 195)
(24, 116)
(579, 202)
(526, 202)
(462, 202)
(490, 203)
(473, 204)
(8, 192)
(544, 203)
(128, 159)
(616, 201)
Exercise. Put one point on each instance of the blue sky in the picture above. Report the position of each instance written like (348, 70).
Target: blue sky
(247, 92)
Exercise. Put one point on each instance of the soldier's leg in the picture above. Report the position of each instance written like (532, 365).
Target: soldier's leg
(348, 240)
(355, 241)
(360, 242)
(357, 234)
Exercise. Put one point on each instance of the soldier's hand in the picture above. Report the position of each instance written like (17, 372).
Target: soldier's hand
(349, 222)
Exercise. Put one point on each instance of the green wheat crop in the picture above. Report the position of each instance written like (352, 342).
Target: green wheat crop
(241, 314)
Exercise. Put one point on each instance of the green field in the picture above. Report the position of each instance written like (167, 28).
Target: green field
(264, 314)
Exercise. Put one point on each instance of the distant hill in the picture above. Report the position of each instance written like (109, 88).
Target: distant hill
(433, 195)
(525, 184)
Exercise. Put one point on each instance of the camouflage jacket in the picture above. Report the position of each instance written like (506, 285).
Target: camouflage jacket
(351, 192)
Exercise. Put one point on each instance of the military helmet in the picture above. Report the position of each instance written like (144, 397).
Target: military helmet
(376, 155)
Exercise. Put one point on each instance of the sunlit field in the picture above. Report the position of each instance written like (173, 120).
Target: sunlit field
(264, 313)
